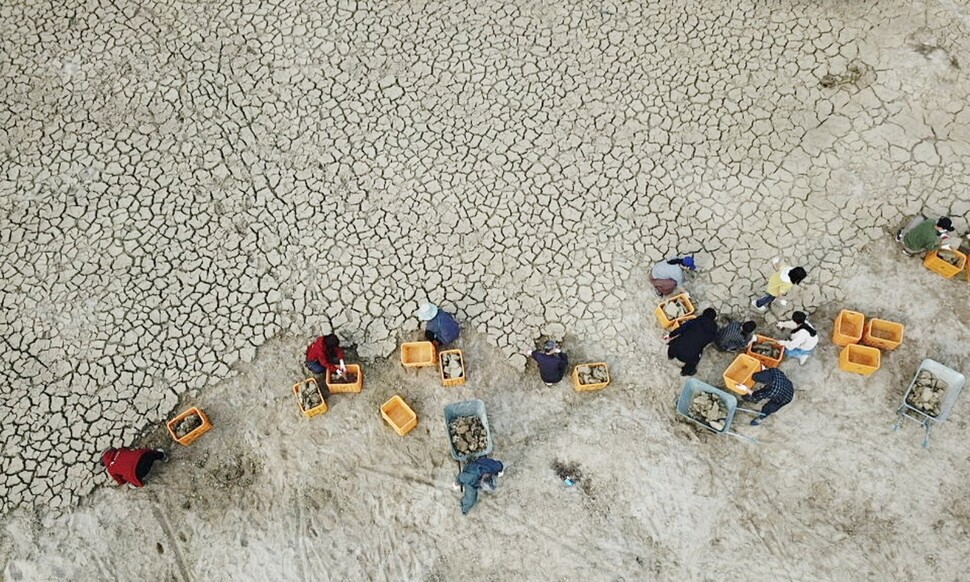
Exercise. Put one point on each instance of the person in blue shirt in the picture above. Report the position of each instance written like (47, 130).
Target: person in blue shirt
(552, 361)
(478, 474)
(441, 328)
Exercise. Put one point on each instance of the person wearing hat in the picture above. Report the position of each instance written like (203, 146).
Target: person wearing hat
(779, 284)
(552, 361)
(441, 328)
(687, 342)
(927, 236)
(131, 466)
(666, 276)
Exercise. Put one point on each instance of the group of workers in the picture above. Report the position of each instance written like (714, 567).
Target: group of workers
(686, 344)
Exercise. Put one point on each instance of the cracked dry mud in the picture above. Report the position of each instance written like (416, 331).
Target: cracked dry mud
(182, 182)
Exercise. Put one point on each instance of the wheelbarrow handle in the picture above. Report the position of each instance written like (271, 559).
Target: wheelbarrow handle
(748, 410)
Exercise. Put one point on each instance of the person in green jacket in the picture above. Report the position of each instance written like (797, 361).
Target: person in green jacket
(927, 236)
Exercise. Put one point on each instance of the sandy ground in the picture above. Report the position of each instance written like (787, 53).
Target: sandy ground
(828, 493)
(190, 191)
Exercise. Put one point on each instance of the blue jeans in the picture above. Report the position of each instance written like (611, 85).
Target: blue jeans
(766, 300)
(316, 368)
(797, 353)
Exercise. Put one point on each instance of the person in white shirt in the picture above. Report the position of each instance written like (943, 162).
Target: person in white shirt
(803, 339)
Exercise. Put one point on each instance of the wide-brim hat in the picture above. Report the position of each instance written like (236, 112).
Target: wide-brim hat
(427, 311)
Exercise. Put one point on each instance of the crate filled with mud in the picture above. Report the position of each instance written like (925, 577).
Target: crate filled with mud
(945, 262)
(452, 366)
(189, 426)
(674, 310)
(766, 350)
(309, 397)
(588, 377)
(351, 380)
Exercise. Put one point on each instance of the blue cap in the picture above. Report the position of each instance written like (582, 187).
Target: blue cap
(688, 262)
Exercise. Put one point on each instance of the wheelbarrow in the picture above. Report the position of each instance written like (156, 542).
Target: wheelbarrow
(692, 387)
(467, 408)
(955, 382)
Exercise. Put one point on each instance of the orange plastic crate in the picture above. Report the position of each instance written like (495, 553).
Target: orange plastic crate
(346, 387)
(190, 438)
(848, 328)
(579, 387)
(859, 359)
(417, 354)
(399, 415)
(318, 409)
(886, 335)
(441, 369)
(741, 371)
(765, 360)
(683, 299)
(934, 263)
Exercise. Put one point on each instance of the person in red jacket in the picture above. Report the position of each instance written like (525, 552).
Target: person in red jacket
(131, 465)
(325, 354)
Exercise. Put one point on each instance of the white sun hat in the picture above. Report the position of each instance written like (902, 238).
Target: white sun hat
(427, 311)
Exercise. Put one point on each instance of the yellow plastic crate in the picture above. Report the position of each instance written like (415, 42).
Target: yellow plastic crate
(935, 263)
(882, 334)
(683, 299)
(318, 409)
(741, 371)
(848, 328)
(346, 387)
(580, 387)
(765, 360)
(190, 438)
(859, 359)
(399, 415)
(417, 354)
(441, 369)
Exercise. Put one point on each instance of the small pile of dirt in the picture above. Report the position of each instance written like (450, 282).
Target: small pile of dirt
(187, 425)
(927, 393)
(452, 366)
(949, 256)
(708, 408)
(345, 378)
(468, 435)
(591, 374)
(767, 349)
(310, 396)
(674, 309)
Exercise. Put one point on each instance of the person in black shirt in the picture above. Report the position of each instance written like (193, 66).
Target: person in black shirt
(687, 342)
(552, 362)
(778, 390)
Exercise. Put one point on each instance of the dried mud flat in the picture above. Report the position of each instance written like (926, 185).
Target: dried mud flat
(191, 192)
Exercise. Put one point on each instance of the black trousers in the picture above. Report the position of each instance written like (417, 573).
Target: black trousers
(771, 408)
(145, 464)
